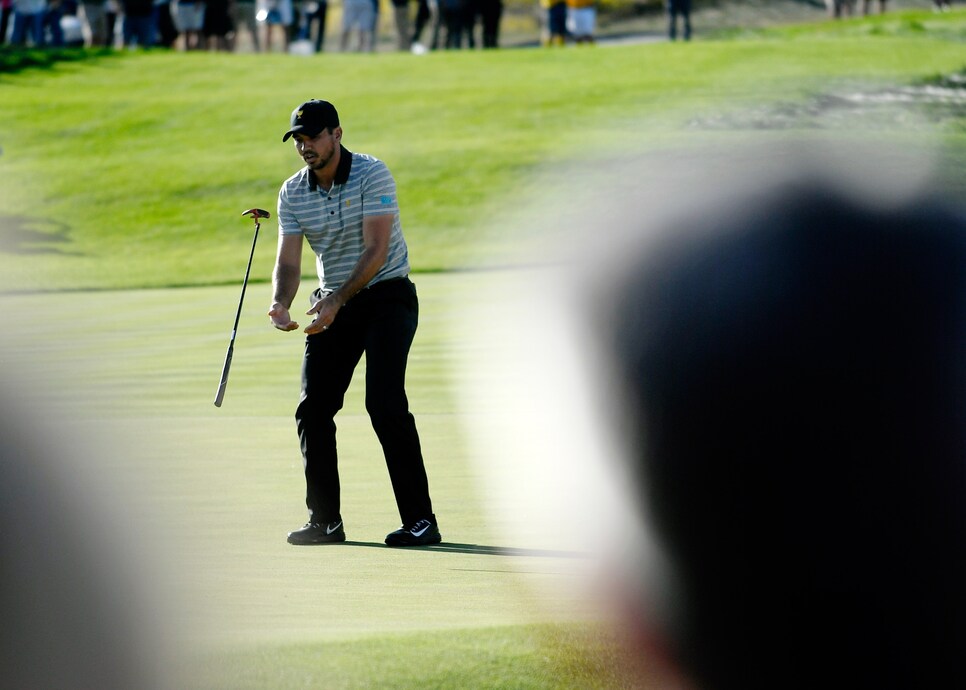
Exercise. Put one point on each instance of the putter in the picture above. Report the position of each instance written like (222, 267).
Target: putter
(255, 213)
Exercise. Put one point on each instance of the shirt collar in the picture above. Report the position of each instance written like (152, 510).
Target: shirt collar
(341, 171)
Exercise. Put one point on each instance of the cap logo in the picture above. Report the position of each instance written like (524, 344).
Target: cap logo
(298, 114)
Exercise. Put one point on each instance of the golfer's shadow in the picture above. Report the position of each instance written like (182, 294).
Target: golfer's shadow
(479, 549)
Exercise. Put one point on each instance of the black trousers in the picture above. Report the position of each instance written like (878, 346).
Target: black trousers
(490, 13)
(675, 8)
(379, 321)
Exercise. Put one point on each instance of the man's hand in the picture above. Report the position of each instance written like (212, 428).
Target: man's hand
(281, 318)
(326, 309)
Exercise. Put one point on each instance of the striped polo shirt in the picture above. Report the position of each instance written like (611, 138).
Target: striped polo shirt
(332, 221)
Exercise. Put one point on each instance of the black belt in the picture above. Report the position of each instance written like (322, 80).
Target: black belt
(317, 294)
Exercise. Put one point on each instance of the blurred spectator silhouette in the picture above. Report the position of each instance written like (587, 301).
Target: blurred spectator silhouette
(554, 22)
(675, 9)
(427, 12)
(582, 20)
(400, 9)
(76, 612)
(53, 31)
(73, 29)
(190, 20)
(6, 11)
(112, 9)
(276, 16)
(28, 22)
(315, 13)
(489, 12)
(216, 25)
(793, 370)
(374, 26)
(95, 17)
(166, 33)
(358, 16)
(242, 14)
(839, 8)
(139, 24)
(461, 18)
(452, 14)
(865, 6)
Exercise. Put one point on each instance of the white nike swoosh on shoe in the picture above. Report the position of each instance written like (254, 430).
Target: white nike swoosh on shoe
(420, 532)
(330, 530)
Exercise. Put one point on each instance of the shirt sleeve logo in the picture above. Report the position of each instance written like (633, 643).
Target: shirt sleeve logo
(385, 200)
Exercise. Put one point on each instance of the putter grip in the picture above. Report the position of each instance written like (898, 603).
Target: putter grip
(220, 395)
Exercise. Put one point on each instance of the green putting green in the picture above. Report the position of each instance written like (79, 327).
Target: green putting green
(214, 491)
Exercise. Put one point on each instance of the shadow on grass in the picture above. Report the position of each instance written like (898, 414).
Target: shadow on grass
(16, 59)
(28, 235)
(449, 547)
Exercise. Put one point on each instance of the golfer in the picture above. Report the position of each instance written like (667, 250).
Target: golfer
(344, 205)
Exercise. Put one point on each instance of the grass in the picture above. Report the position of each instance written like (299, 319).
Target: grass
(213, 492)
(17, 59)
(114, 180)
(121, 253)
(522, 657)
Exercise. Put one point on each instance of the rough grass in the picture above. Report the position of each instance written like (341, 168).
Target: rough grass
(112, 179)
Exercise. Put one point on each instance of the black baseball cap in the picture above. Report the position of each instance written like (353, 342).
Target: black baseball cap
(312, 117)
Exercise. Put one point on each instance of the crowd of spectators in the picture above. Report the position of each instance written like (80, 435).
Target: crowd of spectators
(845, 8)
(247, 25)
(300, 25)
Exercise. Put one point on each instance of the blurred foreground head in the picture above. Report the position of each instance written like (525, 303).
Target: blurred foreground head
(794, 370)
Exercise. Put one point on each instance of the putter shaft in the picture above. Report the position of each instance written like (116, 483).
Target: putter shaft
(255, 213)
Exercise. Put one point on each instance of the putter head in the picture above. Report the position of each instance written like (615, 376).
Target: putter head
(257, 213)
